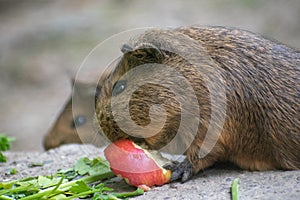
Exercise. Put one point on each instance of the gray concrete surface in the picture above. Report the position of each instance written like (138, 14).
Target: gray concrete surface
(212, 184)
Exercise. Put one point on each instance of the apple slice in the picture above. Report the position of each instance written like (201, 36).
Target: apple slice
(135, 164)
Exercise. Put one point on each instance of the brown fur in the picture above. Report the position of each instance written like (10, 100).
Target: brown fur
(261, 77)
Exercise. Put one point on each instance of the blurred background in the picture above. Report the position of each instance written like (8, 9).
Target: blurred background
(43, 43)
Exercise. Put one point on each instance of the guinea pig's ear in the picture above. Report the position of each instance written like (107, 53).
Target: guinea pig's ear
(126, 48)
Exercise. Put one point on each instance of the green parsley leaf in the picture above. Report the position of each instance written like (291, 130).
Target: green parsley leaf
(79, 187)
(13, 171)
(82, 166)
(5, 142)
(2, 157)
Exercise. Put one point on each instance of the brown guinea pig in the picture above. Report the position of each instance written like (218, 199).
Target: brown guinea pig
(75, 122)
(214, 93)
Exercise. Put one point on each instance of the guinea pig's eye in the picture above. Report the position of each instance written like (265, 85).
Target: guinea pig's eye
(78, 121)
(119, 87)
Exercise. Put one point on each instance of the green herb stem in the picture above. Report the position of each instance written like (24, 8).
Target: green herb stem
(234, 189)
(5, 198)
(66, 186)
(55, 188)
(15, 190)
(82, 194)
(137, 192)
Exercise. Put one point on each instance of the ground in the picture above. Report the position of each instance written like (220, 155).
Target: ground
(213, 183)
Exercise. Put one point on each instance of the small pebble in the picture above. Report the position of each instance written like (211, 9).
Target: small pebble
(228, 179)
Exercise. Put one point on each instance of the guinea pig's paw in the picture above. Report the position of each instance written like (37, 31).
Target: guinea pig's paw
(183, 170)
(171, 165)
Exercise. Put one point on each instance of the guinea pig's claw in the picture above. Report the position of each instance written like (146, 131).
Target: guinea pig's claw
(171, 166)
(183, 170)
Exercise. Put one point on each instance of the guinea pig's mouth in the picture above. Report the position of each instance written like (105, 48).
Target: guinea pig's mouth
(137, 139)
(159, 156)
(140, 141)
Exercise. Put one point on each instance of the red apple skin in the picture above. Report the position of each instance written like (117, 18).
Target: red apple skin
(133, 164)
